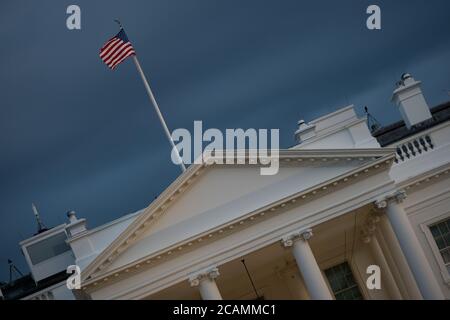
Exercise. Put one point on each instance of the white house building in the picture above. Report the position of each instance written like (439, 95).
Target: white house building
(346, 197)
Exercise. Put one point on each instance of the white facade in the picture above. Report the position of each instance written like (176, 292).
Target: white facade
(339, 204)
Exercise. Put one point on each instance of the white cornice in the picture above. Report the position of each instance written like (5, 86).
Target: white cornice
(425, 178)
(380, 158)
(105, 226)
(253, 243)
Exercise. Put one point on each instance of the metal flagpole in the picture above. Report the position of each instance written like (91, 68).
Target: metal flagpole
(158, 112)
(155, 105)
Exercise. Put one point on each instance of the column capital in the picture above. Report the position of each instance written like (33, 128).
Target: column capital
(398, 196)
(380, 204)
(208, 273)
(303, 234)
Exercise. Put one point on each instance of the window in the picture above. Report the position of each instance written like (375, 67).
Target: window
(441, 234)
(343, 283)
(48, 248)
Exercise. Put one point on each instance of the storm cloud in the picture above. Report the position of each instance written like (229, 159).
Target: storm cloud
(76, 136)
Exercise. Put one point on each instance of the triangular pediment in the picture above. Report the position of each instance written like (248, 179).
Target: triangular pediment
(208, 196)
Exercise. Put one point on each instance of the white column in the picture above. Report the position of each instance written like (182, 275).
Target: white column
(314, 281)
(386, 273)
(205, 281)
(399, 259)
(411, 247)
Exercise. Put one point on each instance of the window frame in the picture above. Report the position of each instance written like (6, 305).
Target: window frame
(425, 227)
(33, 245)
(355, 275)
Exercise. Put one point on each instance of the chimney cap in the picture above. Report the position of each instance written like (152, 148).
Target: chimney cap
(406, 80)
(72, 216)
(405, 76)
(70, 213)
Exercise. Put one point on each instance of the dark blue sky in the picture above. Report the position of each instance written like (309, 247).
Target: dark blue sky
(75, 135)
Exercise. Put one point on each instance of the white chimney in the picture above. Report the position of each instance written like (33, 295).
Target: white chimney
(409, 98)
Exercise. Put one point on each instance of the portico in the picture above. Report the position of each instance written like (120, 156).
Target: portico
(308, 233)
(297, 266)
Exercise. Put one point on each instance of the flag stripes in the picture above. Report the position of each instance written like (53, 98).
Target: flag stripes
(116, 50)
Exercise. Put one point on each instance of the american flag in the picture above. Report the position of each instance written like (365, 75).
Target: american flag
(116, 50)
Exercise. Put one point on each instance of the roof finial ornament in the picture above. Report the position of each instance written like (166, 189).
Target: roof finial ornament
(119, 23)
(372, 123)
(41, 226)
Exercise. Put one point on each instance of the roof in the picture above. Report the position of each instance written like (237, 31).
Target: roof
(398, 131)
(25, 285)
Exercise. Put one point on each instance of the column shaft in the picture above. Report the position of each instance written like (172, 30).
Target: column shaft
(399, 259)
(209, 290)
(386, 273)
(315, 283)
(414, 254)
